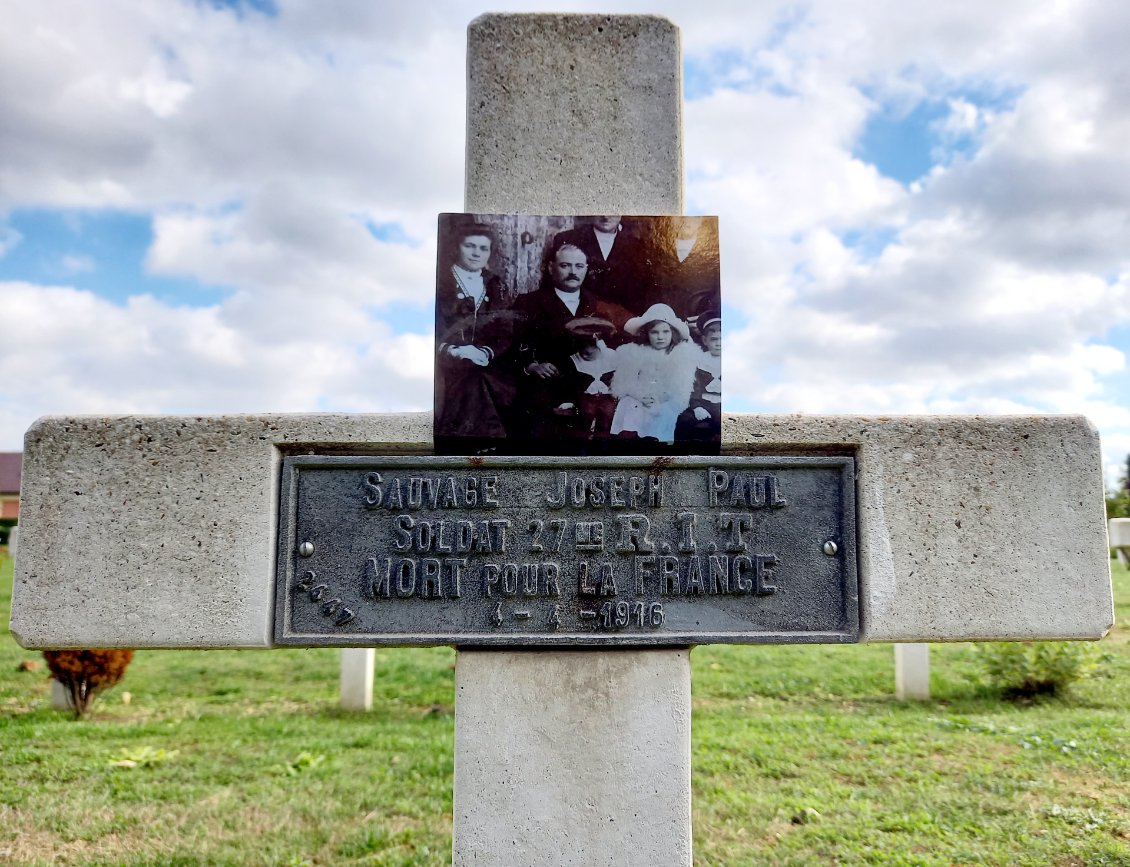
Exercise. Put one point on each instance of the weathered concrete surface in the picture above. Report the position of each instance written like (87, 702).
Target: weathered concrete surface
(970, 527)
(574, 114)
(572, 758)
(160, 531)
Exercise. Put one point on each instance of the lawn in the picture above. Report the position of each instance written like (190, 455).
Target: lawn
(801, 756)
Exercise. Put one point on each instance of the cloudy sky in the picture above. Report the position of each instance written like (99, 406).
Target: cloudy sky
(214, 207)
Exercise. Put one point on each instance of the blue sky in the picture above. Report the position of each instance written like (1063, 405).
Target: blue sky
(904, 145)
(918, 215)
(100, 251)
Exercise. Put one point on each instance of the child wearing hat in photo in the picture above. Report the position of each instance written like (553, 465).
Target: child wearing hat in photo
(583, 388)
(654, 375)
(702, 419)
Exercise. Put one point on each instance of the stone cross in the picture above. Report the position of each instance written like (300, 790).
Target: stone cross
(161, 531)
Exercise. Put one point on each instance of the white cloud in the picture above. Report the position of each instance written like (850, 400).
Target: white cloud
(262, 146)
(1009, 264)
(68, 351)
(165, 103)
(156, 90)
(282, 244)
(76, 263)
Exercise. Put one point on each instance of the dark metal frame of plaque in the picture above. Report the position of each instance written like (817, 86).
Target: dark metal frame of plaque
(546, 551)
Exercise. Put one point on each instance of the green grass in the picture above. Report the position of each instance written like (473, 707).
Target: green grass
(241, 757)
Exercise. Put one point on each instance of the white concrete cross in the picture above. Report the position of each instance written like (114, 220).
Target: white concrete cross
(160, 531)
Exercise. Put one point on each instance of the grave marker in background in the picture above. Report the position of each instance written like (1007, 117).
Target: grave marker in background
(356, 681)
(1119, 538)
(912, 671)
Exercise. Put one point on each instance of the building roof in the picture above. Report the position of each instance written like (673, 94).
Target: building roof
(10, 463)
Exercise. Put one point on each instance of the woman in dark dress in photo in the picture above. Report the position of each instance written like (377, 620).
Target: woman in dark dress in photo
(473, 388)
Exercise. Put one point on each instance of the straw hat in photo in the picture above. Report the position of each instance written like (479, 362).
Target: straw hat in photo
(590, 327)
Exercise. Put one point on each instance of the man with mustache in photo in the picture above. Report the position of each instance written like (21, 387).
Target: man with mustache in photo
(545, 344)
(616, 260)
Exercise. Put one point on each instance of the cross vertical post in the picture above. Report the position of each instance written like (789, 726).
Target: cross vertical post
(573, 756)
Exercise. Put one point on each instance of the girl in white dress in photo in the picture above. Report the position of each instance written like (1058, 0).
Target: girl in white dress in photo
(654, 375)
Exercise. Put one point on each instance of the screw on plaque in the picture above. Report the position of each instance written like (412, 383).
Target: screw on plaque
(306, 549)
(830, 548)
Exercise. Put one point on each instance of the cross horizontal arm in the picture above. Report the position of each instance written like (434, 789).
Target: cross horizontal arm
(160, 531)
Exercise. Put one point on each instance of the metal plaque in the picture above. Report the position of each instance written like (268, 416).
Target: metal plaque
(566, 551)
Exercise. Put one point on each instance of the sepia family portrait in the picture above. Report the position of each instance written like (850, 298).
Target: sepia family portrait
(577, 335)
